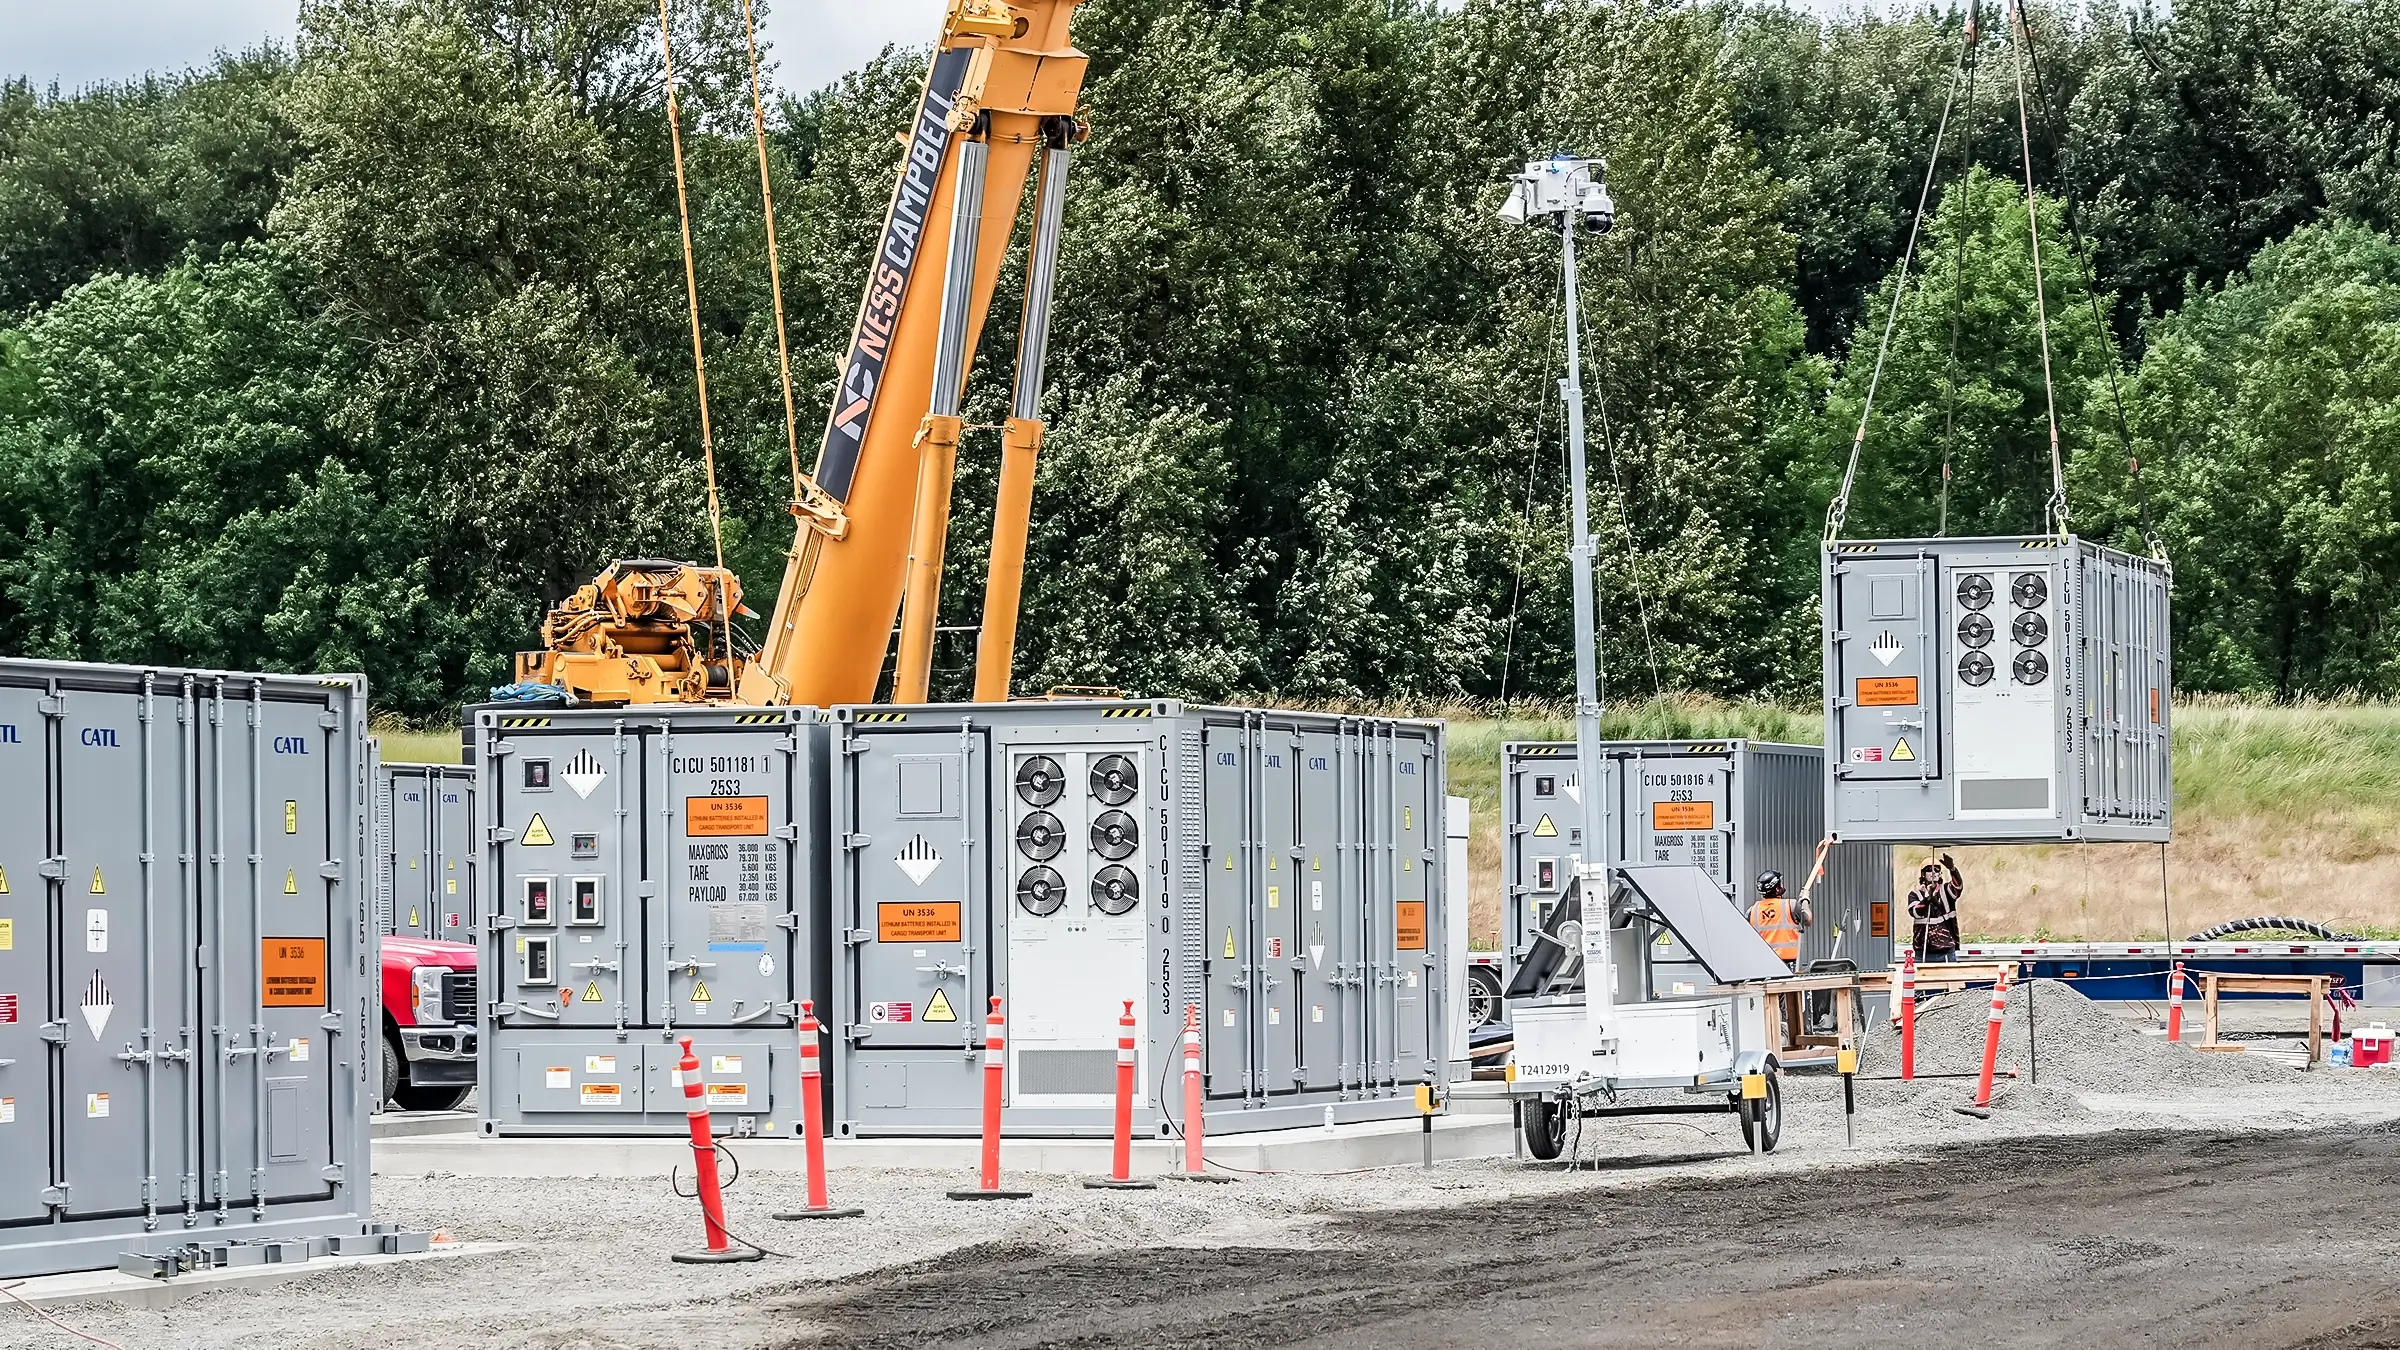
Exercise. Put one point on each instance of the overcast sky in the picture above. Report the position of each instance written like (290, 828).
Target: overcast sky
(812, 41)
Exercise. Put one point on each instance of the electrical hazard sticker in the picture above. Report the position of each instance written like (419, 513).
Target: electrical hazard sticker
(1545, 828)
(291, 881)
(602, 1094)
(728, 1094)
(602, 1064)
(883, 1014)
(1901, 751)
(3, 881)
(292, 972)
(99, 887)
(700, 993)
(722, 1064)
(413, 920)
(537, 834)
(938, 1009)
(557, 1077)
(1229, 950)
(95, 1106)
(591, 991)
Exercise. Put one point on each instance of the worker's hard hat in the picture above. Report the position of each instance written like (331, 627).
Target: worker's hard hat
(1770, 882)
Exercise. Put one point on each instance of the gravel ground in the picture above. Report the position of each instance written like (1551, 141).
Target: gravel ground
(589, 1271)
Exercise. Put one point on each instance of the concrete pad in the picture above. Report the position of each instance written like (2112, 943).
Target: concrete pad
(133, 1291)
(401, 1124)
(1339, 1148)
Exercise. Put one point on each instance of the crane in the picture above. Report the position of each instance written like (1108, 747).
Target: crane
(998, 106)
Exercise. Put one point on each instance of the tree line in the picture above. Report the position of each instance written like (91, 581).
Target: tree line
(358, 355)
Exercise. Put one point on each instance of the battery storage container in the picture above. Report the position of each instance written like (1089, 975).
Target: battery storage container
(1280, 872)
(425, 850)
(1996, 691)
(649, 875)
(1732, 808)
(187, 961)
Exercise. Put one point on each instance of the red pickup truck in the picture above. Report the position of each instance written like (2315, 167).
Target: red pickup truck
(428, 1023)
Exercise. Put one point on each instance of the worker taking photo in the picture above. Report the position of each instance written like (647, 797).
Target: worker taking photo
(1778, 920)
(1933, 909)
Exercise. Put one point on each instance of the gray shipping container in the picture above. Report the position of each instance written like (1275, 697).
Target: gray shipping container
(649, 875)
(1732, 808)
(1996, 691)
(187, 989)
(425, 850)
(1281, 871)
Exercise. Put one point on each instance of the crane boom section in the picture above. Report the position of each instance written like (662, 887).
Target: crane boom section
(1004, 78)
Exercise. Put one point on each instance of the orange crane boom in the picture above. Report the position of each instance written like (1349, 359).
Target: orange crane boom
(1000, 92)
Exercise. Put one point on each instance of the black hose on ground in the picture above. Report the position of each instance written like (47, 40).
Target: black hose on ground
(2267, 924)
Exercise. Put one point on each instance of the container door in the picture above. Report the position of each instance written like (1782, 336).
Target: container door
(408, 844)
(1679, 811)
(450, 885)
(1229, 945)
(1416, 836)
(1278, 955)
(1886, 663)
(913, 898)
(570, 874)
(283, 805)
(26, 1000)
(1539, 815)
(1323, 952)
(725, 925)
(123, 950)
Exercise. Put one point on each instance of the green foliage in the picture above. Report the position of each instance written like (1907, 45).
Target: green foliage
(362, 357)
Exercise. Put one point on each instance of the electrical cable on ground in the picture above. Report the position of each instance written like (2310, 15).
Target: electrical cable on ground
(691, 285)
(676, 1186)
(22, 1302)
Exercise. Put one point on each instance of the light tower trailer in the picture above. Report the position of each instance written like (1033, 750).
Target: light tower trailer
(1582, 1054)
(1578, 1050)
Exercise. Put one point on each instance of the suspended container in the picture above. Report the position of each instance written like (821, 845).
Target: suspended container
(425, 850)
(187, 1001)
(1996, 691)
(649, 875)
(1281, 872)
(1732, 808)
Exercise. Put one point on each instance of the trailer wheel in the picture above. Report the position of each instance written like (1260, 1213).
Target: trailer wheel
(1483, 996)
(1545, 1128)
(1764, 1114)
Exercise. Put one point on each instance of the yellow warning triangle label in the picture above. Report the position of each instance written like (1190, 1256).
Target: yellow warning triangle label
(591, 992)
(939, 1010)
(1229, 953)
(1545, 829)
(1901, 751)
(1316, 864)
(1228, 862)
(412, 864)
(1271, 862)
(537, 834)
(99, 887)
(3, 881)
(412, 916)
(291, 881)
(700, 993)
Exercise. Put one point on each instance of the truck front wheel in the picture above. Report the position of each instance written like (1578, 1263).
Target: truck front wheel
(393, 1058)
(439, 1097)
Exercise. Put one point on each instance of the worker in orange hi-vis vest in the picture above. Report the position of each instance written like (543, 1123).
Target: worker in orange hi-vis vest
(1778, 920)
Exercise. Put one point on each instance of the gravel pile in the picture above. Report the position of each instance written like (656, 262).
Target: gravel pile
(2079, 1046)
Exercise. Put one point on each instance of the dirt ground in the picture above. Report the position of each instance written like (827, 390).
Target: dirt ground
(2256, 1241)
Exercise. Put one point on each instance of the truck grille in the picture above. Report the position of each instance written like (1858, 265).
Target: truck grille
(458, 997)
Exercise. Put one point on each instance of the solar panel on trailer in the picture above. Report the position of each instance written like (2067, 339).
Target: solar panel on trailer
(1717, 933)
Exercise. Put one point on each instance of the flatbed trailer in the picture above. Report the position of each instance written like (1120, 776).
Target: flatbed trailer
(2126, 971)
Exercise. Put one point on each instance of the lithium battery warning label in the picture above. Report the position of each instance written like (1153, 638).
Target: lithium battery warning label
(716, 817)
(918, 921)
(292, 972)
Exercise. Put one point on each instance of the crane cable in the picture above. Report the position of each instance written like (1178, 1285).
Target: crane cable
(1840, 506)
(766, 197)
(2041, 302)
(691, 287)
(1958, 274)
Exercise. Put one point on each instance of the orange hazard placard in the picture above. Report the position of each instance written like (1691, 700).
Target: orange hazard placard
(705, 817)
(1879, 919)
(1409, 925)
(917, 921)
(1888, 691)
(1683, 815)
(292, 972)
